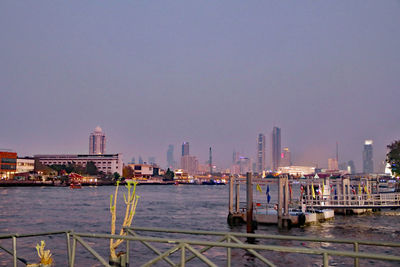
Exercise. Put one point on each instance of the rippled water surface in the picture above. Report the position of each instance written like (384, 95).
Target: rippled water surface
(41, 209)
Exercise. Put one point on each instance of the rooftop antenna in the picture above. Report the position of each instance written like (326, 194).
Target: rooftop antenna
(337, 152)
(210, 161)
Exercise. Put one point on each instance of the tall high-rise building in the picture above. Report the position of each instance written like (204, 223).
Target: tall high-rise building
(368, 163)
(260, 164)
(185, 149)
(235, 157)
(333, 164)
(276, 148)
(170, 157)
(286, 158)
(190, 164)
(97, 142)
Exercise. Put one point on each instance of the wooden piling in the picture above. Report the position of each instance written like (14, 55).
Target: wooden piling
(249, 198)
(280, 201)
(231, 181)
(237, 196)
(286, 203)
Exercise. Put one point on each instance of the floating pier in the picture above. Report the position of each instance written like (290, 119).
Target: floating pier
(278, 213)
(346, 196)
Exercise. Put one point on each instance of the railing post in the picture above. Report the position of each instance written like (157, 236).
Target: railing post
(356, 260)
(228, 252)
(69, 248)
(326, 260)
(127, 254)
(73, 252)
(183, 258)
(14, 239)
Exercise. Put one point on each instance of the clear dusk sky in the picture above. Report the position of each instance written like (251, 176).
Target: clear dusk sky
(213, 73)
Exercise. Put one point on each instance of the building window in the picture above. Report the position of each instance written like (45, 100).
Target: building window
(8, 167)
(8, 160)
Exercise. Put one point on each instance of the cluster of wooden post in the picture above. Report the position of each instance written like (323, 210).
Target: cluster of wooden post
(283, 201)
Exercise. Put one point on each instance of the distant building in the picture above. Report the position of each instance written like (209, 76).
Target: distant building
(97, 142)
(189, 164)
(333, 164)
(25, 165)
(142, 170)
(235, 157)
(185, 149)
(8, 164)
(152, 160)
(260, 164)
(286, 158)
(107, 163)
(297, 170)
(141, 160)
(276, 148)
(244, 165)
(368, 163)
(351, 169)
(170, 157)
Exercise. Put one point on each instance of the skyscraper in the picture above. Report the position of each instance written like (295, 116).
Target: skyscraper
(97, 142)
(286, 159)
(260, 167)
(276, 148)
(333, 164)
(170, 157)
(368, 163)
(185, 149)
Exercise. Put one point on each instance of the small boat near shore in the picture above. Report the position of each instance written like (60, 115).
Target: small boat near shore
(75, 185)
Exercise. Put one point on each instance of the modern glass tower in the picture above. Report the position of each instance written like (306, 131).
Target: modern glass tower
(368, 163)
(97, 142)
(276, 148)
(260, 167)
(185, 149)
(170, 157)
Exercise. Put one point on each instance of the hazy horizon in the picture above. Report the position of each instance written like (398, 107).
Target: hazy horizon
(214, 74)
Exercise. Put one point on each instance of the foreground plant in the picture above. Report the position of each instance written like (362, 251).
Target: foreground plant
(131, 201)
(44, 255)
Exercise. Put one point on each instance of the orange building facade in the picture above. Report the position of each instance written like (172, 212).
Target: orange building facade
(8, 164)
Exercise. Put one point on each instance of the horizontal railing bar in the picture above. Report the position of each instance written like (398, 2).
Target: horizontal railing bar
(34, 234)
(264, 236)
(247, 246)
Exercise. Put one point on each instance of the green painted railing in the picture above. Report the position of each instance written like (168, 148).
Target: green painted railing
(226, 240)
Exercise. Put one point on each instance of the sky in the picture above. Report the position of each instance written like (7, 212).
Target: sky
(212, 73)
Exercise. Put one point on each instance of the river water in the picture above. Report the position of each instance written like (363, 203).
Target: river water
(200, 207)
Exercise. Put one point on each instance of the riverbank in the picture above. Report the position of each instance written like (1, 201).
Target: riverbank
(16, 183)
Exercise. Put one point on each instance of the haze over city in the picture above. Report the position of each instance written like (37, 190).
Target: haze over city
(211, 73)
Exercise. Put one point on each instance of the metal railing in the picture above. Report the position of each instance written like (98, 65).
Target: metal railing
(226, 240)
(387, 200)
(14, 237)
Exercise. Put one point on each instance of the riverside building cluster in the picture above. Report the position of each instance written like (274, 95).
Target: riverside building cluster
(189, 166)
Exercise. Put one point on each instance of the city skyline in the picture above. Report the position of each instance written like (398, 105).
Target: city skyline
(212, 74)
